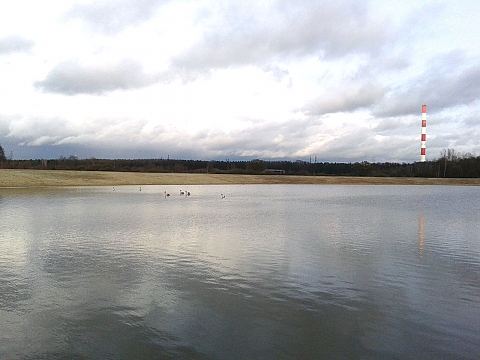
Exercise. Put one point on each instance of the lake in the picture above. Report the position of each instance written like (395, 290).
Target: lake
(267, 272)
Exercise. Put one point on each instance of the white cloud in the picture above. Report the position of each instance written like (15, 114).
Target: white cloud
(113, 16)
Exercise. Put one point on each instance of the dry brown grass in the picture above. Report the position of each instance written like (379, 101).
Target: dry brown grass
(47, 178)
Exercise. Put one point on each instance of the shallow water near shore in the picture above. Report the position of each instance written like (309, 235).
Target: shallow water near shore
(268, 272)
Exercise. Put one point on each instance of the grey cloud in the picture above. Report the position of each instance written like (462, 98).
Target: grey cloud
(57, 131)
(12, 44)
(472, 121)
(401, 104)
(112, 16)
(458, 89)
(447, 84)
(5, 121)
(350, 97)
(263, 140)
(397, 126)
(362, 144)
(38, 131)
(358, 144)
(71, 78)
(383, 65)
(256, 34)
(36, 137)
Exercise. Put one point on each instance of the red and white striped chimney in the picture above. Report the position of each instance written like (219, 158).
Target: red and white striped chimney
(424, 133)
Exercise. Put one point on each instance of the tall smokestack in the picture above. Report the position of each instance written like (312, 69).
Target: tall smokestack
(424, 133)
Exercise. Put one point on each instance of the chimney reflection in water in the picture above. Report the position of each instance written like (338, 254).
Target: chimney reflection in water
(421, 235)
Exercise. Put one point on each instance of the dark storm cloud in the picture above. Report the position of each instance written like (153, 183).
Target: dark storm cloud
(257, 34)
(13, 44)
(71, 78)
(112, 16)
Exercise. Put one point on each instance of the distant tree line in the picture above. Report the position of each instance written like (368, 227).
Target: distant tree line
(451, 164)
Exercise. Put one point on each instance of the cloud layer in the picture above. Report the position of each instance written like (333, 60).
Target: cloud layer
(340, 80)
(254, 34)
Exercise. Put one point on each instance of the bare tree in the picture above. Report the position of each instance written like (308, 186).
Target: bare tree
(2, 154)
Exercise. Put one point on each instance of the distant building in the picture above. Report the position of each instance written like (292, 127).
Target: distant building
(274, 171)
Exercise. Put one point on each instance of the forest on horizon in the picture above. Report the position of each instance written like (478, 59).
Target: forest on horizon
(451, 164)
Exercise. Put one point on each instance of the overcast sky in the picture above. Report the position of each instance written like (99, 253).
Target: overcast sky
(340, 80)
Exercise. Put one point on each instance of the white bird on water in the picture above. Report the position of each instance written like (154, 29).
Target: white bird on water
(182, 192)
(166, 194)
(223, 196)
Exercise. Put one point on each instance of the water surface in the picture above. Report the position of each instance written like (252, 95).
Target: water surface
(268, 272)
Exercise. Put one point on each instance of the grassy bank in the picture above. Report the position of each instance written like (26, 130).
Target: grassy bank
(35, 178)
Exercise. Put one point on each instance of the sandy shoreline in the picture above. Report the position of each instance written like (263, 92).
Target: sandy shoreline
(49, 178)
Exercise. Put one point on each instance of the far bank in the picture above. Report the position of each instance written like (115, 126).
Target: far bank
(43, 178)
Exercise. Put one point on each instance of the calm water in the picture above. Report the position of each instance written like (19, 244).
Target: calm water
(269, 272)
